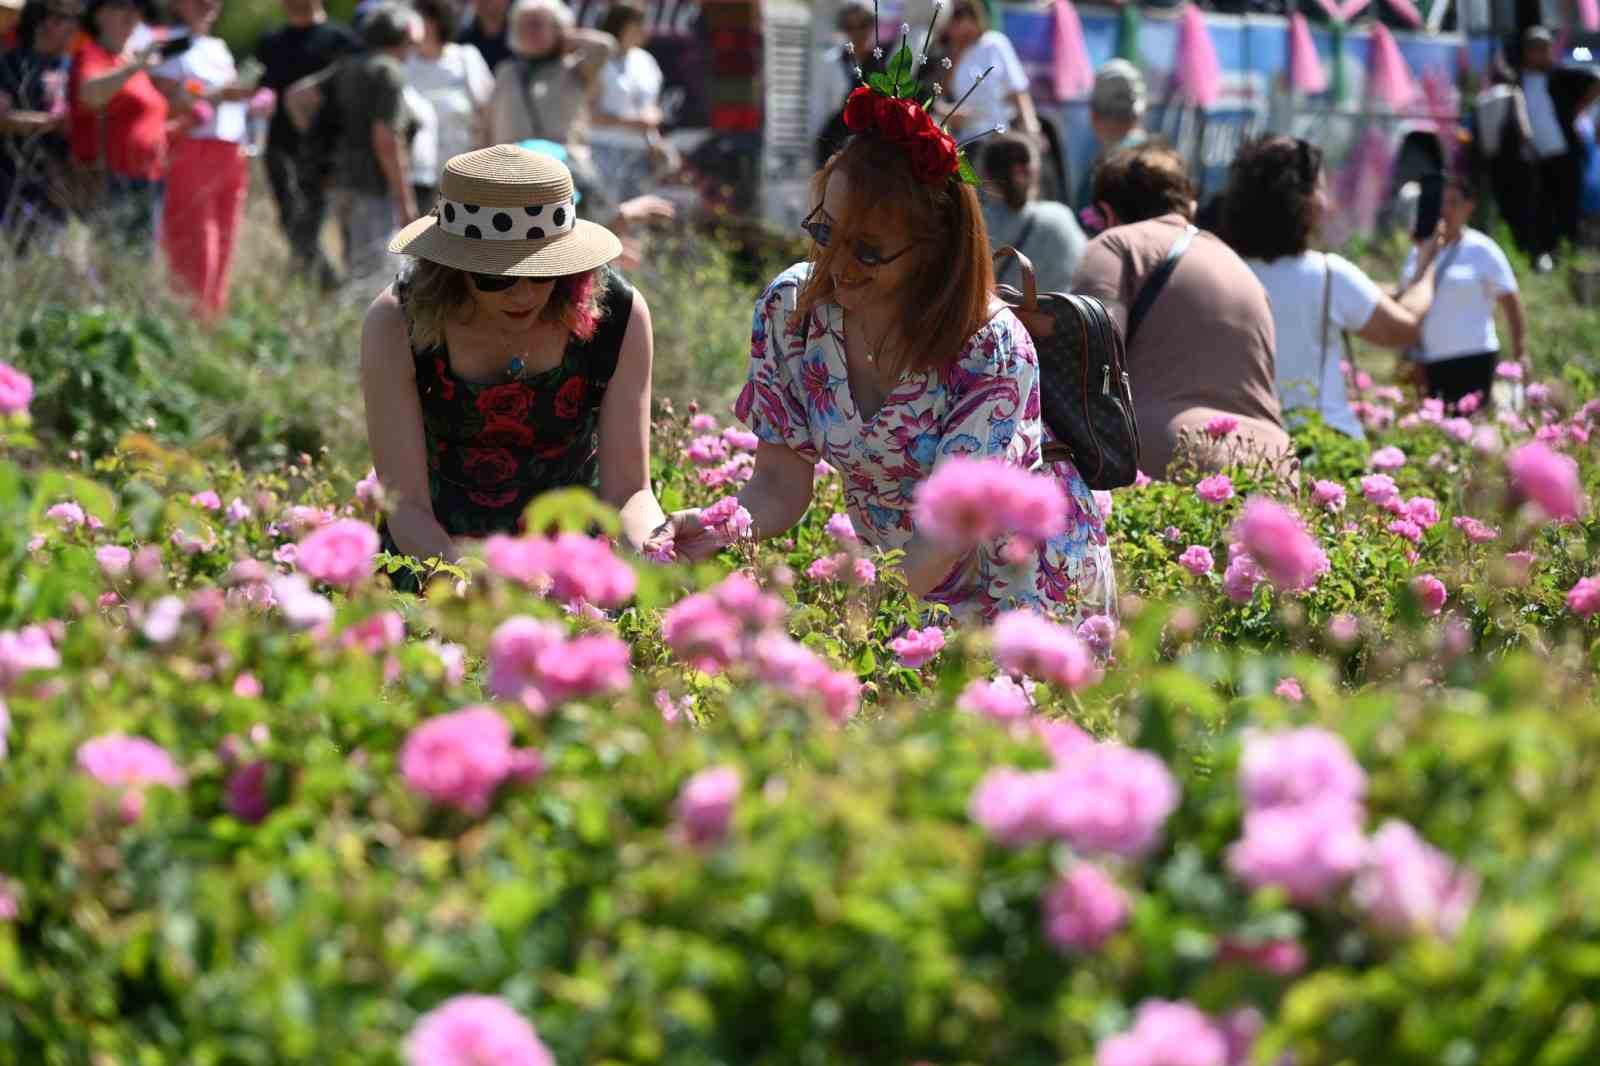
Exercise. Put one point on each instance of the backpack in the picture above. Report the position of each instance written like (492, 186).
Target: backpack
(1084, 392)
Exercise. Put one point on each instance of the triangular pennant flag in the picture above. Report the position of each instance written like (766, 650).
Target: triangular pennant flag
(1306, 75)
(1070, 69)
(1199, 75)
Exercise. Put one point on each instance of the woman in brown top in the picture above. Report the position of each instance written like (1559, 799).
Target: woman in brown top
(1205, 346)
(542, 92)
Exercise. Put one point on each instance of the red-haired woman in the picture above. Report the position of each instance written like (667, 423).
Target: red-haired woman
(887, 353)
(507, 361)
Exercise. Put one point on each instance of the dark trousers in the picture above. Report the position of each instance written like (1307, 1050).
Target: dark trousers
(1452, 379)
(1557, 198)
(302, 200)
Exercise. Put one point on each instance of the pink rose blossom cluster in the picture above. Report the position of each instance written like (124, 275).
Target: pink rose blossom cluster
(1289, 689)
(132, 763)
(1197, 560)
(1583, 599)
(711, 630)
(966, 502)
(460, 759)
(339, 553)
(1100, 798)
(1277, 541)
(916, 647)
(1083, 909)
(1242, 575)
(706, 450)
(1329, 495)
(1099, 634)
(1215, 489)
(16, 390)
(68, 514)
(736, 471)
(705, 805)
(1027, 644)
(1379, 489)
(536, 664)
(207, 500)
(567, 568)
(1166, 1033)
(1220, 426)
(841, 529)
(369, 493)
(24, 650)
(1001, 699)
(1388, 459)
(842, 566)
(302, 606)
(1407, 886)
(1281, 957)
(1303, 793)
(741, 439)
(1475, 531)
(727, 520)
(472, 1031)
(805, 676)
(1547, 479)
(379, 633)
(114, 560)
(1430, 593)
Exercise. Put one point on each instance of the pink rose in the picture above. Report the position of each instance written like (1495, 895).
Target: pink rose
(1084, 909)
(916, 647)
(1197, 560)
(1215, 489)
(705, 805)
(1547, 479)
(1430, 593)
(472, 1030)
(339, 553)
(459, 759)
(1583, 599)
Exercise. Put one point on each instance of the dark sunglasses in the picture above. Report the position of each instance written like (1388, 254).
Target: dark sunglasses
(864, 253)
(493, 282)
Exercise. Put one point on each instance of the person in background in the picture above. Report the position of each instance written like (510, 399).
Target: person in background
(1554, 97)
(119, 124)
(486, 31)
(506, 361)
(838, 76)
(297, 172)
(1276, 201)
(209, 173)
(1460, 348)
(33, 121)
(1116, 116)
(543, 91)
(1204, 347)
(625, 128)
(456, 83)
(1003, 98)
(1045, 231)
(371, 173)
(10, 21)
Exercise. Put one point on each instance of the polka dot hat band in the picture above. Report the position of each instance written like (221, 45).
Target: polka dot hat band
(507, 210)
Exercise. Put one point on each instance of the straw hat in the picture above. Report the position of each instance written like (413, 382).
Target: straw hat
(506, 210)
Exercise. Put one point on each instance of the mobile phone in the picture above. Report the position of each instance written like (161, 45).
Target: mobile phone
(174, 46)
(1429, 204)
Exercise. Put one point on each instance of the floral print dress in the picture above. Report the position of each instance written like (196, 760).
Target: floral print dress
(984, 405)
(493, 446)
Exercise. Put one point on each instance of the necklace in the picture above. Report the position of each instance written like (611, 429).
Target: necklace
(872, 349)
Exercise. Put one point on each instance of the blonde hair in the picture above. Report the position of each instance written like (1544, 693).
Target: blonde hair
(560, 12)
(436, 294)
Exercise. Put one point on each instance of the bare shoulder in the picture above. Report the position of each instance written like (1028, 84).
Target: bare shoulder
(385, 340)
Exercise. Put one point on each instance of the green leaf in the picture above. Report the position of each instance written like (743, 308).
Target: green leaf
(881, 83)
(968, 175)
(899, 70)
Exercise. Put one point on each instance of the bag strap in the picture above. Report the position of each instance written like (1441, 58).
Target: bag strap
(1155, 283)
(1021, 241)
(1327, 310)
(1030, 284)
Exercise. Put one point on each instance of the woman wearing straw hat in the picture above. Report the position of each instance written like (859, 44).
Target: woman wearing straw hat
(507, 361)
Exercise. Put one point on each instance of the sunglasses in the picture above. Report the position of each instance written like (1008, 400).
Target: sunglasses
(493, 282)
(864, 253)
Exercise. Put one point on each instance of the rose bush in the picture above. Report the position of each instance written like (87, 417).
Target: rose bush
(575, 807)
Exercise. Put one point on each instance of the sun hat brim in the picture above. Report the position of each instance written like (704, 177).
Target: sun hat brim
(585, 247)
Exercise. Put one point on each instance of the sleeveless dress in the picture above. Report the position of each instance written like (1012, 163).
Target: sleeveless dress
(493, 447)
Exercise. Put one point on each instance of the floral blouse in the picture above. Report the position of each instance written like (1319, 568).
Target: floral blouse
(985, 404)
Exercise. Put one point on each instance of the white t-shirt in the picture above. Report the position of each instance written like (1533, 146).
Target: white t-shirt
(629, 87)
(1461, 320)
(209, 62)
(455, 86)
(988, 107)
(1548, 140)
(1306, 375)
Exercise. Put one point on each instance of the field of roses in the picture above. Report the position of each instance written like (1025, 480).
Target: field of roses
(1325, 790)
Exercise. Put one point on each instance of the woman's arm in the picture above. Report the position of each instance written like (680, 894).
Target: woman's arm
(1516, 324)
(625, 432)
(390, 149)
(926, 564)
(777, 495)
(591, 49)
(1392, 325)
(394, 430)
(96, 92)
(1027, 115)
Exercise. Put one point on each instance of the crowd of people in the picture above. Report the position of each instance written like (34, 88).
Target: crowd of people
(510, 356)
(143, 125)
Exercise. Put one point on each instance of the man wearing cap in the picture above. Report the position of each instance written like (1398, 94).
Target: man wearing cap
(1554, 97)
(1116, 115)
(33, 117)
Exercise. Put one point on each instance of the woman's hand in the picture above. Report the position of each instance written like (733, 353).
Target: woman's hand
(686, 535)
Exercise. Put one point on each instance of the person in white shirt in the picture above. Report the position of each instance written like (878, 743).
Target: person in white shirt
(1276, 201)
(208, 174)
(835, 77)
(1553, 98)
(456, 85)
(625, 118)
(1002, 99)
(1459, 347)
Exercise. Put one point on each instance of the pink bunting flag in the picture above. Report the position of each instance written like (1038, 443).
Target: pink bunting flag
(1070, 69)
(1388, 76)
(1407, 11)
(1589, 14)
(1199, 76)
(1306, 75)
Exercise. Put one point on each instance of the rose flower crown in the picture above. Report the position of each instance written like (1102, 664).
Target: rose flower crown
(887, 104)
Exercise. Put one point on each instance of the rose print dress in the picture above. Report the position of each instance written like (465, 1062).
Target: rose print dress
(984, 405)
(493, 446)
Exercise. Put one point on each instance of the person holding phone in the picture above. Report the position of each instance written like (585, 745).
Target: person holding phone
(1459, 347)
(208, 176)
(1276, 201)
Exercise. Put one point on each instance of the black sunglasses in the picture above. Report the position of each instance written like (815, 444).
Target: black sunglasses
(864, 253)
(493, 282)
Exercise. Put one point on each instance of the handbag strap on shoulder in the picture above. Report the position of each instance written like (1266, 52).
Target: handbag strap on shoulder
(1155, 283)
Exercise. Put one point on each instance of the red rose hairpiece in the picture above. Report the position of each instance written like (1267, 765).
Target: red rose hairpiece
(886, 104)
